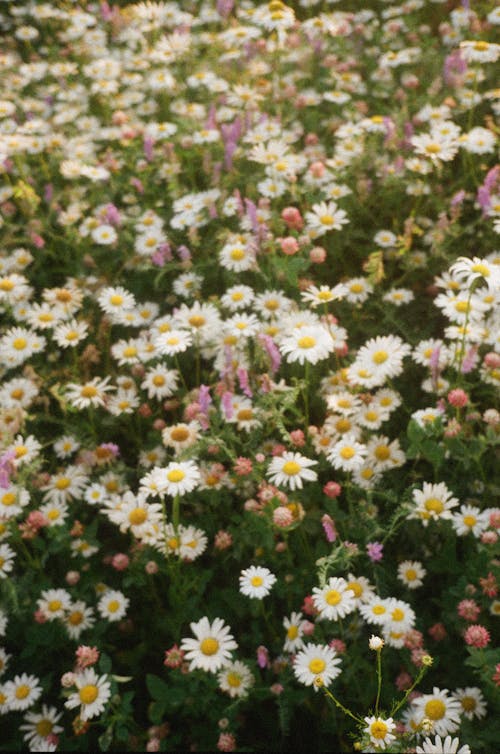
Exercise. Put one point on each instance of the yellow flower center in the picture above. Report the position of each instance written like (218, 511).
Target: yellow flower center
(71, 335)
(8, 499)
(256, 581)
(356, 588)
(434, 505)
(158, 380)
(397, 614)
(291, 468)
(468, 703)
(470, 520)
(233, 680)
(173, 341)
(137, 516)
(272, 304)
(129, 352)
(6, 285)
(116, 300)
(333, 597)
(197, 320)
(378, 729)
(356, 288)
(325, 295)
(113, 606)
(179, 434)
(462, 306)
(44, 728)
(20, 343)
(54, 605)
(209, 646)
(343, 425)
(435, 709)
(317, 665)
(347, 453)
(378, 609)
(88, 693)
(326, 220)
(176, 475)
(237, 296)
(292, 632)
(62, 483)
(173, 543)
(245, 414)
(411, 574)
(237, 255)
(22, 691)
(380, 356)
(482, 269)
(75, 618)
(371, 416)
(88, 391)
(382, 452)
(481, 46)
(433, 148)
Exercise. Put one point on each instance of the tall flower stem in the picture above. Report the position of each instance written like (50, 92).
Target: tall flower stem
(379, 681)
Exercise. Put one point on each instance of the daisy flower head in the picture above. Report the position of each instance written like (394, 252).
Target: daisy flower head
(212, 647)
(307, 344)
(92, 694)
(442, 746)
(22, 692)
(467, 270)
(38, 725)
(315, 296)
(90, 393)
(192, 542)
(78, 619)
(380, 731)
(236, 679)
(441, 708)
(291, 470)
(113, 605)
(325, 216)
(256, 582)
(172, 342)
(7, 556)
(294, 626)
(316, 665)
(433, 502)
(177, 478)
(114, 300)
(472, 702)
(53, 603)
(376, 611)
(470, 520)
(335, 600)
(347, 454)
(379, 359)
(411, 573)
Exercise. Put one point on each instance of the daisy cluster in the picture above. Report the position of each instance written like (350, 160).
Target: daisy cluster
(249, 372)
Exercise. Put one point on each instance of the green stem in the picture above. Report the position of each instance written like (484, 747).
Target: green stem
(379, 680)
(176, 507)
(341, 706)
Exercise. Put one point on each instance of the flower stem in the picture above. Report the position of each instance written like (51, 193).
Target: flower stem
(379, 680)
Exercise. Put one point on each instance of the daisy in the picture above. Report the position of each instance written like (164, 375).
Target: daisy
(64, 486)
(235, 679)
(294, 626)
(380, 358)
(177, 478)
(325, 216)
(22, 692)
(160, 382)
(237, 255)
(360, 587)
(7, 556)
(92, 694)
(347, 454)
(4, 660)
(113, 605)
(343, 403)
(323, 295)
(172, 342)
(307, 344)
(271, 304)
(78, 618)
(54, 603)
(237, 297)
(443, 710)
(442, 746)
(256, 582)
(384, 454)
(243, 414)
(468, 270)
(290, 470)
(212, 647)
(18, 392)
(181, 436)
(470, 519)
(12, 500)
(315, 665)
(358, 290)
(138, 516)
(433, 501)
(398, 296)
(115, 299)
(472, 702)
(375, 611)
(411, 573)
(380, 731)
(192, 542)
(39, 725)
(66, 446)
(91, 393)
(335, 600)
(400, 617)
(19, 344)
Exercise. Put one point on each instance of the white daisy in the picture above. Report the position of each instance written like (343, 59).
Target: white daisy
(113, 605)
(92, 694)
(256, 582)
(294, 626)
(38, 725)
(291, 470)
(235, 679)
(177, 478)
(443, 710)
(411, 573)
(212, 647)
(442, 746)
(307, 344)
(22, 692)
(380, 731)
(316, 664)
(472, 702)
(335, 600)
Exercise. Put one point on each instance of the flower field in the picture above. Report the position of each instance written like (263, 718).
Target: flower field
(249, 372)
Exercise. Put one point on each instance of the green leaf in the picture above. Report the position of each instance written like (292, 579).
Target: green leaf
(106, 739)
(157, 688)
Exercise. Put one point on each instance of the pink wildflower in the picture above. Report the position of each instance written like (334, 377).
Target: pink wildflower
(243, 466)
(332, 489)
(329, 527)
(477, 636)
(226, 742)
(458, 398)
(468, 609)
(437, 632)
(375, 551)
(174, 657)
(86, 656)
